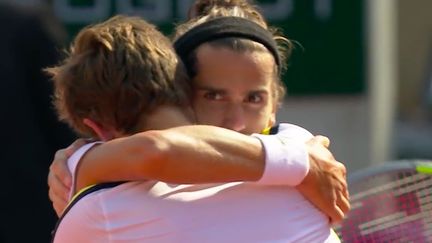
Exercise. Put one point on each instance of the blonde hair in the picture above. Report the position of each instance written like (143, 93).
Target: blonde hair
(115, 72)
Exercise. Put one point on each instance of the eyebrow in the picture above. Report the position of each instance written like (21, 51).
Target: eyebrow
(259, 91)
(208, 88)
(223, 91)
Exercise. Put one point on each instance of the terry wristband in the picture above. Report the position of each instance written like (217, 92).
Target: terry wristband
(287, 160)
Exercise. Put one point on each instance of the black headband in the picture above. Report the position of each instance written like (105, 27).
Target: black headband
(224, 27)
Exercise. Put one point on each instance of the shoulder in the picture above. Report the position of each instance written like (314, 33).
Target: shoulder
(84, 222)
(78, 155)
(292, 131)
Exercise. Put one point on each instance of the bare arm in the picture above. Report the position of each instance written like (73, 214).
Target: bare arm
(199, 154)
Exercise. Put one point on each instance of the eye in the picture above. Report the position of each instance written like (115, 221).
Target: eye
(255, 98)
(213, 95)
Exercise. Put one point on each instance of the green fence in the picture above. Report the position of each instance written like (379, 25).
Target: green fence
(330, 59)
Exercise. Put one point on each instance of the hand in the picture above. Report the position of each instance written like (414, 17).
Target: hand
(59, 177)
(325, 185)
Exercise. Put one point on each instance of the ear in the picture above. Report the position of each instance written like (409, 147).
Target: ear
(101, 132)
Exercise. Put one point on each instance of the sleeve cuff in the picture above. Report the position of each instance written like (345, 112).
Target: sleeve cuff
(287, 160)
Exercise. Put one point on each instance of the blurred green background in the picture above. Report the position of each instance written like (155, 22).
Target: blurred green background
(329, 58)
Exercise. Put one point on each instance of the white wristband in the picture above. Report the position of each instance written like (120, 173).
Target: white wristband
(287, 160)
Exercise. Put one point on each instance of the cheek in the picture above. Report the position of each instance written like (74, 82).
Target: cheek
(260, 119)
(207, 113)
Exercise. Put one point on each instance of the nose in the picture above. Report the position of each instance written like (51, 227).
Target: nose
(234, 117)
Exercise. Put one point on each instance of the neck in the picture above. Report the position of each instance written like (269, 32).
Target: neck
(166, 117)
(163, 117)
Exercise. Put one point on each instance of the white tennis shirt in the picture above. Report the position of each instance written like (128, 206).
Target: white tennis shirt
(153, 211)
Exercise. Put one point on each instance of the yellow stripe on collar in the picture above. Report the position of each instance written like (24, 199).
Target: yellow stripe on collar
(78, 193)
(266, 131)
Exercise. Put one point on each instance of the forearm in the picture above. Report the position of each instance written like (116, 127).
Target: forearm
(189, 154)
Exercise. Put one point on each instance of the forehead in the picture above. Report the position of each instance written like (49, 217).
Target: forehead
(220, 66)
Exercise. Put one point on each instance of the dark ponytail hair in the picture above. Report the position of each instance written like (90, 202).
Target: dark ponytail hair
(204, 7)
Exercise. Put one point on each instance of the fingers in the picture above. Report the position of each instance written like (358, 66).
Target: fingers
(328, 178)
(59, 203)
(59, 170)
(57, 188)
(341, 188)
(339, 173)
(323, 140)
(59, 177)
(341, 208)
(333, 207)
(337, 216)
(326, 192)
(59, 199)
(58, 193)
(59, 181)
(343, 203)
(337, 205)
